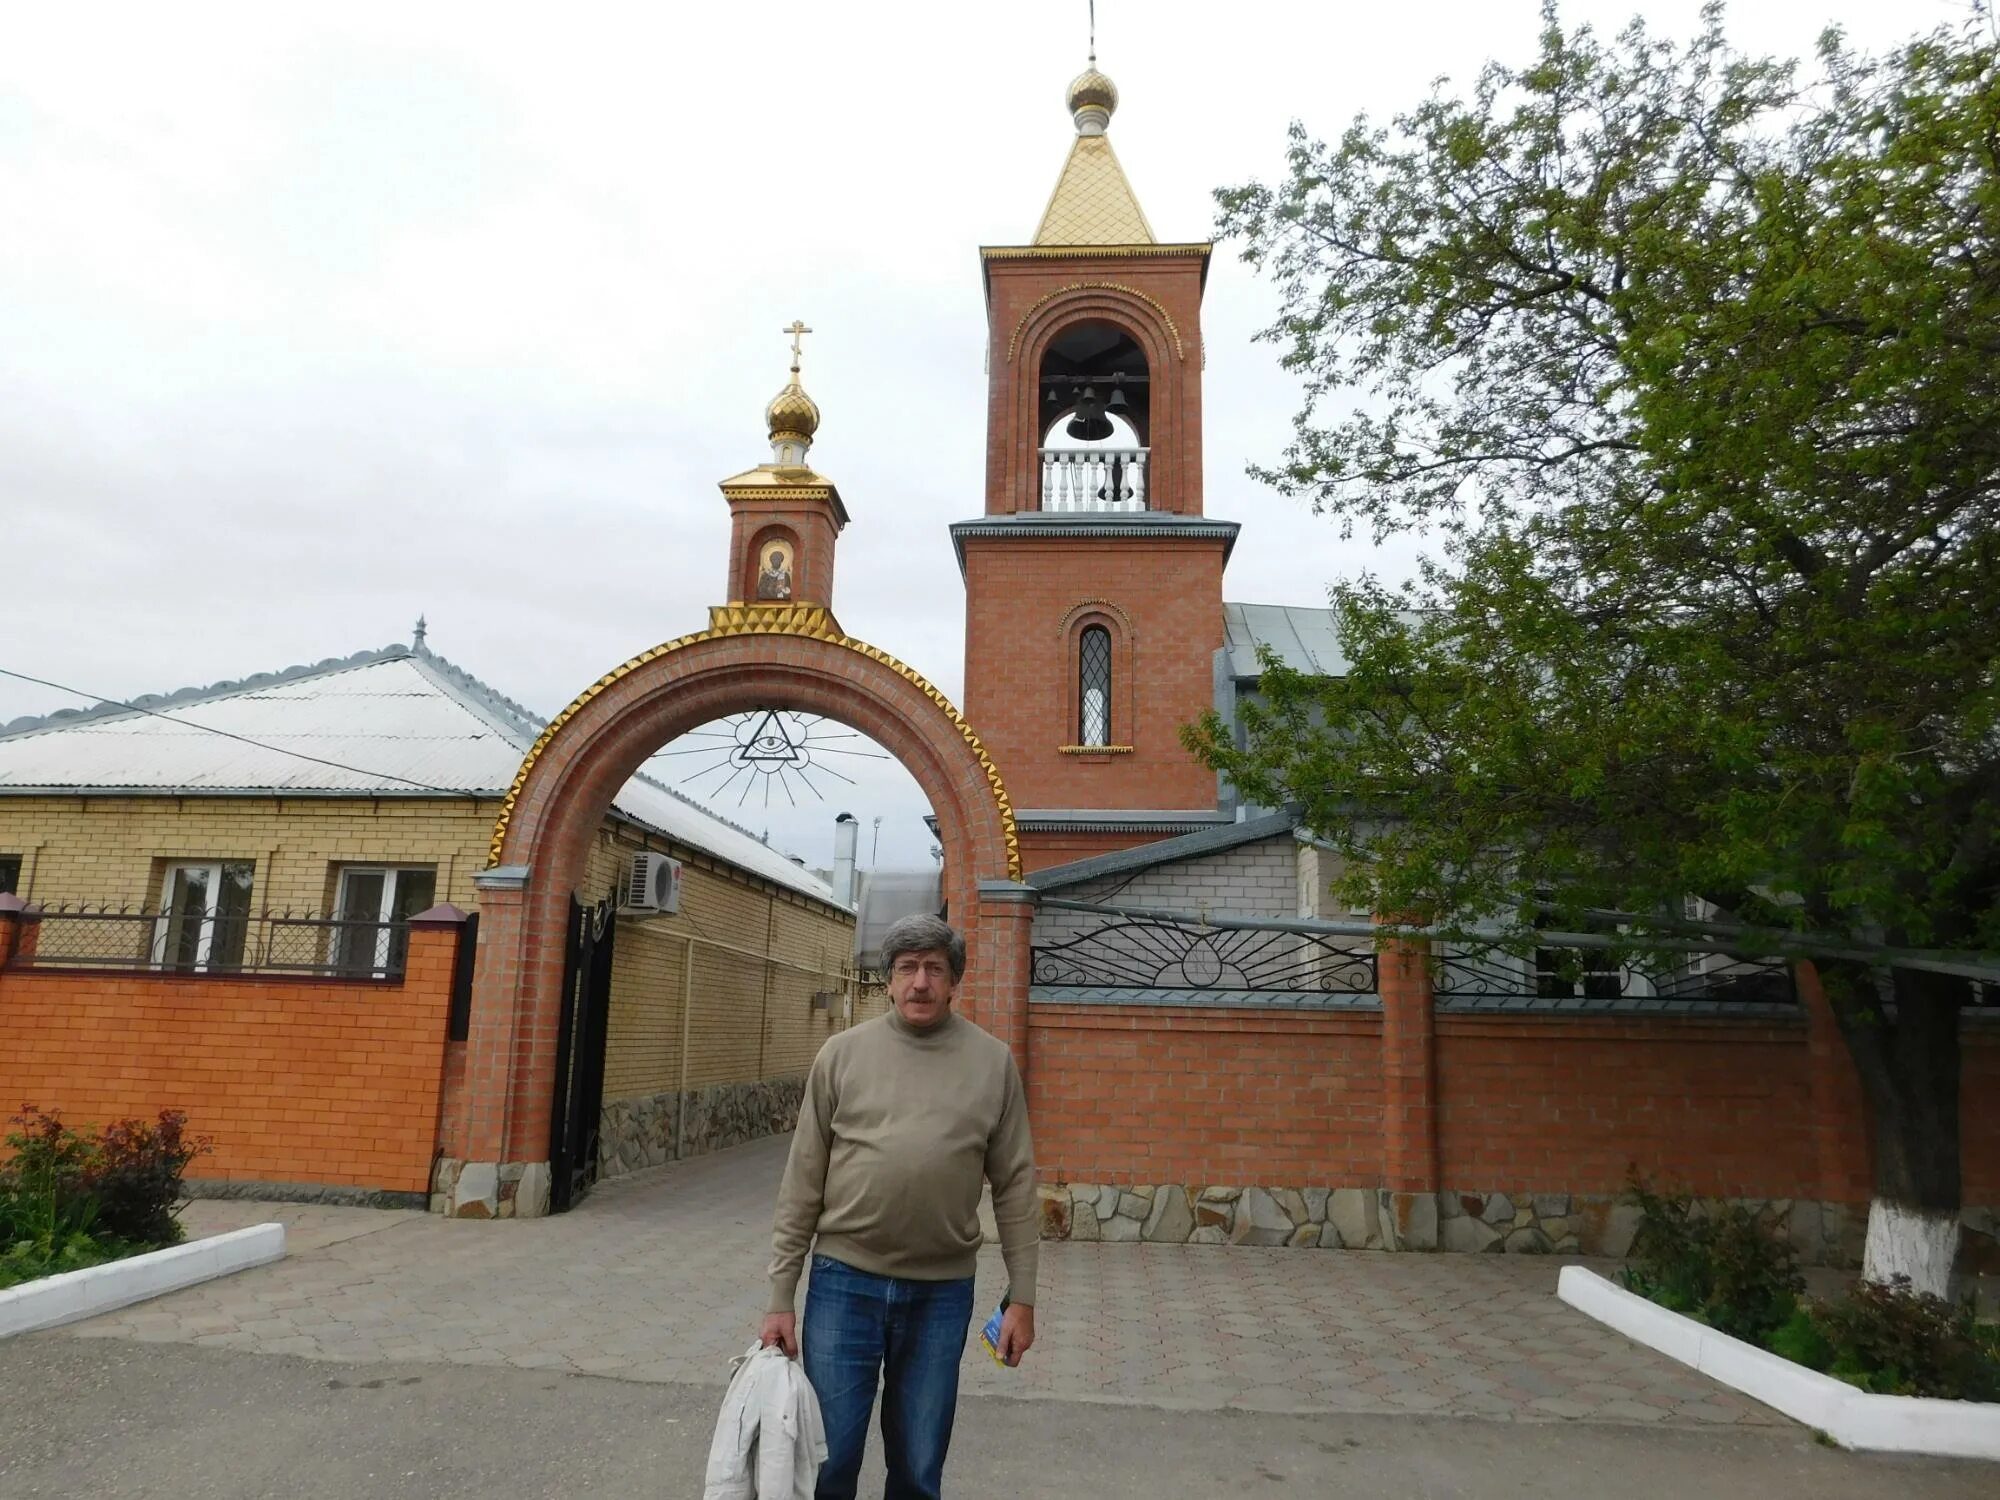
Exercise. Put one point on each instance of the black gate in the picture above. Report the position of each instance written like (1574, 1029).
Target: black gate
(586, 1013)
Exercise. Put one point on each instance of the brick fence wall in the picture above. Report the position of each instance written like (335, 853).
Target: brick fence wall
(1158, 1095)
(299, 1080)
(1416, 1107)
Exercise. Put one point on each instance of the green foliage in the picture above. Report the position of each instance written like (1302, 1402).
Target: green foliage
(69, 1200)
(42, 1197)
(1801, 1339)
(1718, 1264)
(1900, 1342)
(1694, 367)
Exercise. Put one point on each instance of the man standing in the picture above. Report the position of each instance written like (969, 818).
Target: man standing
(902, 1118)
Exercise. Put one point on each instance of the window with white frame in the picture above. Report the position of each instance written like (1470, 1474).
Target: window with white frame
(374, 906)
(204, 914)
(1571, 973)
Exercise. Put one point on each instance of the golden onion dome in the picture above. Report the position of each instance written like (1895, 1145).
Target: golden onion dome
(792, 413)
(1091, 89)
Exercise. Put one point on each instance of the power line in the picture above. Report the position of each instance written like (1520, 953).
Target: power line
(449, 791)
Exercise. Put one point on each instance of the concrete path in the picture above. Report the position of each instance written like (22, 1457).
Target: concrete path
(659, 1277)
(113, 1420)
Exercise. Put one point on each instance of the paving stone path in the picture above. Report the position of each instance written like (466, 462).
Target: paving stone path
(659, 1277)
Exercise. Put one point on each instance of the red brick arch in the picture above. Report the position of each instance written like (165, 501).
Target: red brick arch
(782, 657)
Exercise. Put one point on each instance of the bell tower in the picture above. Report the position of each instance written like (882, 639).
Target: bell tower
(1093, 581)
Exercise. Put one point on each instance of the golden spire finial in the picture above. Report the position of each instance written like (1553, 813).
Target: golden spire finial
(1092, 96)
(792, 417)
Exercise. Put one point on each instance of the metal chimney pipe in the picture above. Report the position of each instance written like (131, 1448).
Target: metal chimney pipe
(846, 834)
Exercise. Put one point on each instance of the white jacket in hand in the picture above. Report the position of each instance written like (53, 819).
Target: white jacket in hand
(769, 1440)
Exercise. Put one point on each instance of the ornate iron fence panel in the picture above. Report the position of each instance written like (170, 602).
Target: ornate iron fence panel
(166, 941)
(1147, 954)
(1596, 974)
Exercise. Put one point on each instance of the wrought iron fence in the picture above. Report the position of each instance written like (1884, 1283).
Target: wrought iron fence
(1597, 974)
(219, 942)
(1143, 953)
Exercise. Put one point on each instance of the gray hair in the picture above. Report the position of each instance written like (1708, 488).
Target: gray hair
(924, 933)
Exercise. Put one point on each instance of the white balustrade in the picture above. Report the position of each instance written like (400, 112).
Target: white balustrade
(1076, 479)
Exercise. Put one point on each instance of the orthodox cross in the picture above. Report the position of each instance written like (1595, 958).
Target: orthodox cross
(798, 328)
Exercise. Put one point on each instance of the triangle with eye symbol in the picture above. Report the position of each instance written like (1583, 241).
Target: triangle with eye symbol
(771, 743)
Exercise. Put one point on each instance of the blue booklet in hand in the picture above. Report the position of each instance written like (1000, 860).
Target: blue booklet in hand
(990, 1334)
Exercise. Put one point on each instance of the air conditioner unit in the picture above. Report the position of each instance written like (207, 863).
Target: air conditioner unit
(653, 884)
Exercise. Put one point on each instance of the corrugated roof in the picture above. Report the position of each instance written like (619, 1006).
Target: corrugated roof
(397, 722)
(1304, 638)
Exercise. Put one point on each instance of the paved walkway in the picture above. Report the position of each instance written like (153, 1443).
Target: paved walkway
(659, 1277)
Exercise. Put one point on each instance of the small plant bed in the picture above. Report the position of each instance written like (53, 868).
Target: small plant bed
(1725, 1269)
(72, 1199)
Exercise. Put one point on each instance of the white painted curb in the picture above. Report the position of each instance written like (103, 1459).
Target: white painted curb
(1852, 1418)
(97, 1289)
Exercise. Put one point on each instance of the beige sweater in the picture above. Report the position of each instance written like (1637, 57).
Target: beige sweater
(897, 1129)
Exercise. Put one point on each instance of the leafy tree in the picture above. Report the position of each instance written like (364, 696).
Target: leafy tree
(1692, 366)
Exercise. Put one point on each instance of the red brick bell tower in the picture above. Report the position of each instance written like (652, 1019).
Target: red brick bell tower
(1093, 582)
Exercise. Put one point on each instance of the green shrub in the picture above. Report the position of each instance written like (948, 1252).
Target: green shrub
(69, 1200)
(1721, 1266)
(135, 1176)
(1726, 1269)
(1801, 1339)
(1902, 1342)
(42, 1196)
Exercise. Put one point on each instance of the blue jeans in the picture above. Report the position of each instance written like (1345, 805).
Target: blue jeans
(860, 1326)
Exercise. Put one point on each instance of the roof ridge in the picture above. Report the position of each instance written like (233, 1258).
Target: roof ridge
(511, 718)
(154, 703)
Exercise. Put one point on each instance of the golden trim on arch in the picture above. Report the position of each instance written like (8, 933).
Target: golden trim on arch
(811, 620)
(1014, 343)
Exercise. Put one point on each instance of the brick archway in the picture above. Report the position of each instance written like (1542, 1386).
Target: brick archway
(498, 1100)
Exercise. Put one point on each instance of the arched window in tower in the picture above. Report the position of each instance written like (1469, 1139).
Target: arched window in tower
(1094, 686)
(1095, 409)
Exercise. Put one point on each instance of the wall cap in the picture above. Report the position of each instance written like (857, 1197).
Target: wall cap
(444, 914)
(502, 878)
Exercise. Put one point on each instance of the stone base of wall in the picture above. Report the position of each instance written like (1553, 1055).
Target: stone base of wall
(638, 1133)
(1353, 1218)
(339, 1195)
(489, 1189)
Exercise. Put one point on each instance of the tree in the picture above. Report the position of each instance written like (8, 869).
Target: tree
(1693, 368)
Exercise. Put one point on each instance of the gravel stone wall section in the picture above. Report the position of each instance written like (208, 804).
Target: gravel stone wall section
(638, 1133)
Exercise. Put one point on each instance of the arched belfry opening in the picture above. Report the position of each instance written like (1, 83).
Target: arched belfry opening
(1094, 402)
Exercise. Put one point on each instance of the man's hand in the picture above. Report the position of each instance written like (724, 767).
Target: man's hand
(1017, 1332)
(782, 1329)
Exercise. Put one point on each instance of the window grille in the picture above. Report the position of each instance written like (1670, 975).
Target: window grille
(1094, 687)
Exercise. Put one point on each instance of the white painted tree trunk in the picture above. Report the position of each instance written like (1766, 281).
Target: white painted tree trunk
(1910, 1242)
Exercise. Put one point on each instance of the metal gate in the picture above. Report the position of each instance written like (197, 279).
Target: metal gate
(586, 1013)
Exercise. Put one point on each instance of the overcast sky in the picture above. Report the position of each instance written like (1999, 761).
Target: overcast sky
(313, 318)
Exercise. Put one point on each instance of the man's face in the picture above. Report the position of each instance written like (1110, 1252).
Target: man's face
(921, 987)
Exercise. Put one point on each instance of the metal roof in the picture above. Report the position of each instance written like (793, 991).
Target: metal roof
(401, 721)
(1304, 639)
(1167, 851)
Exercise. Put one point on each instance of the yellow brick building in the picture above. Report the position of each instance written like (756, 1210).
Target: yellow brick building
(367, 786)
